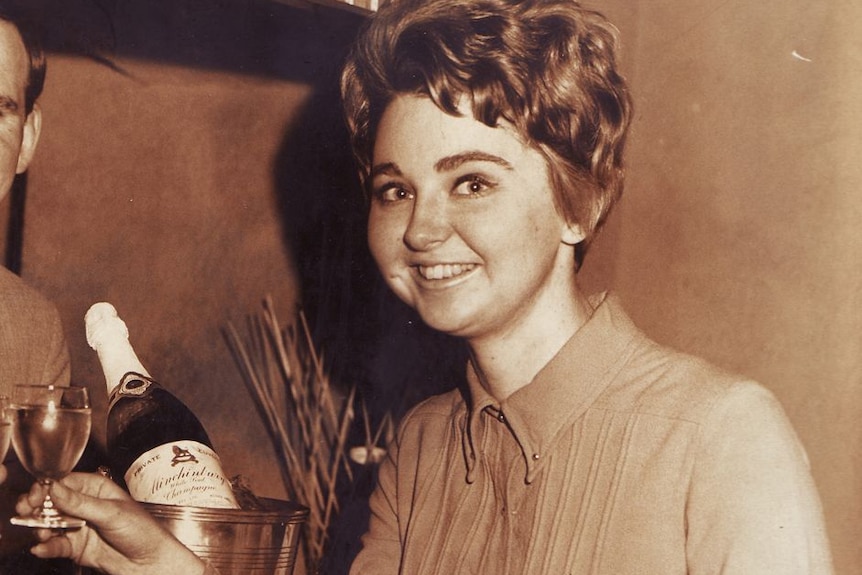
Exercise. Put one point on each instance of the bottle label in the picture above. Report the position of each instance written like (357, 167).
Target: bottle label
(180, 473)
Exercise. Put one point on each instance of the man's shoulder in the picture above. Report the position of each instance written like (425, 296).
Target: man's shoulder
(32, 340)
(18, 299)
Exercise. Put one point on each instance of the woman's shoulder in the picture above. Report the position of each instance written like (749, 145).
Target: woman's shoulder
(664, 382)
(433, 419)
(437, 408)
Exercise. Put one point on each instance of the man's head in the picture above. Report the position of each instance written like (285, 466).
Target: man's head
(547, 67)
(22, 74)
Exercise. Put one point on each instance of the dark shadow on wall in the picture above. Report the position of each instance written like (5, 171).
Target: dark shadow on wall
(257, 37)
(370, 338)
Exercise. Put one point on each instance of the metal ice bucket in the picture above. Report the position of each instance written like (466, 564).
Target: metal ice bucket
(236, 541)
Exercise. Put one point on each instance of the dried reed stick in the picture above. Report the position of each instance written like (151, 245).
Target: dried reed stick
(307, 418)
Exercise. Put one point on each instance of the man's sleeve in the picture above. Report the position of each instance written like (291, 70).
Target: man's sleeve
(57, 368)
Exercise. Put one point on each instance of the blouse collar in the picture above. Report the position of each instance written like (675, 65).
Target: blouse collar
(561, 392)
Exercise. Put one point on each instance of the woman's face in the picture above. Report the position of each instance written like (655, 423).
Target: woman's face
(463, 224)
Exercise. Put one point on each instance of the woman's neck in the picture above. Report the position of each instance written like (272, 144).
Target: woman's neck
(507, 362)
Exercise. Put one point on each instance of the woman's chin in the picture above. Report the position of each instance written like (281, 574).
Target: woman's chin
(455, 324)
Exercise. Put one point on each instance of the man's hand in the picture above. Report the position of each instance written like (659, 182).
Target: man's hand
(120, 537)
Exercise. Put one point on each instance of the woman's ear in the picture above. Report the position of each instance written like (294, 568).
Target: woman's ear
(29, 139)
(573, 234)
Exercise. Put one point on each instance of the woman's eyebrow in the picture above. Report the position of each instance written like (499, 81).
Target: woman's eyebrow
(454, 161)
(386, 168)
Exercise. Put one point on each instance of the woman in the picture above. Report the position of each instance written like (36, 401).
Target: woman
(489, 134)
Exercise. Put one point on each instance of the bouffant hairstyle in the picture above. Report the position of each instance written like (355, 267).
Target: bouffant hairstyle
(547, 67)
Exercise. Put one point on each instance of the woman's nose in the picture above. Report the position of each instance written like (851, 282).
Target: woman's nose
(428, 225)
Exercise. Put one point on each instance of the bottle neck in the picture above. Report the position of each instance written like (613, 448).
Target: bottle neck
(118, 359)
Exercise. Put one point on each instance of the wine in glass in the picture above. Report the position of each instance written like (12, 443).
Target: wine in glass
(50, 429)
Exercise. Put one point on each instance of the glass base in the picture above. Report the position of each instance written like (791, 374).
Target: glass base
(58, 522)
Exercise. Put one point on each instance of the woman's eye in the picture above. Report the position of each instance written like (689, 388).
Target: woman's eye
(472, 186)
(391, 193)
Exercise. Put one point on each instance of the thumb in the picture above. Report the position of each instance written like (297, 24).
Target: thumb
(92, 509)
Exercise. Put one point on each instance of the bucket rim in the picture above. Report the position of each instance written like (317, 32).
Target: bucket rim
(275, 509)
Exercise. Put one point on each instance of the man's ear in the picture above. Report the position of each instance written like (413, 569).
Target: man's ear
(573, 234)
(32, 129)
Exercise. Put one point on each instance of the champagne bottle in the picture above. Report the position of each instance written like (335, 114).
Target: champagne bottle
(158, 450)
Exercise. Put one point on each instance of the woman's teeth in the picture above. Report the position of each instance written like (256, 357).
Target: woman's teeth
(444, 271)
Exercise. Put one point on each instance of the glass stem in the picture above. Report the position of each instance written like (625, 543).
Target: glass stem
(48, 510)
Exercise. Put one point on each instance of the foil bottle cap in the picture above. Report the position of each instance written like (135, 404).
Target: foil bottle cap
(103, 325)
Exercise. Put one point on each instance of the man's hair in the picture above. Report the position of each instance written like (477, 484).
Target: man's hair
(547, 67)
(29, 32)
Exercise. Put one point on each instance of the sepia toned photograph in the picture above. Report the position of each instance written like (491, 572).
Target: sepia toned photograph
(315, 287)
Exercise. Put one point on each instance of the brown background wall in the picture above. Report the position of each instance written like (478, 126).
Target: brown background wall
(740, 235)
(205, 173)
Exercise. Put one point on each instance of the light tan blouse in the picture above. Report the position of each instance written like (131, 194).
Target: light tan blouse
(621, 457)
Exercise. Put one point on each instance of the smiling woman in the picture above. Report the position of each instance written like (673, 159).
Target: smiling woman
(489, 134)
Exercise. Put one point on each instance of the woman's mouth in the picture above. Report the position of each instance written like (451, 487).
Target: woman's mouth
(444, 271)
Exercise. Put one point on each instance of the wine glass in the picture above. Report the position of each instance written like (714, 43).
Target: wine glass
(50, 429)
(5, 426)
